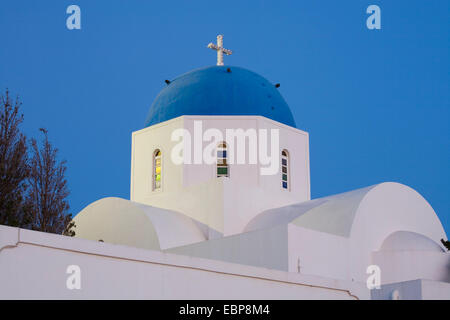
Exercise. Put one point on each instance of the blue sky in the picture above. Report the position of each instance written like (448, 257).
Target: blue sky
(375, 102)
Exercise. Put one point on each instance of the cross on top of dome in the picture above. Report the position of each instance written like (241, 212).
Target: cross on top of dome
(220, 49)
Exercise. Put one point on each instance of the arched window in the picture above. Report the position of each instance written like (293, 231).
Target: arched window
(157, 170)
(222, 165)
(285, 169)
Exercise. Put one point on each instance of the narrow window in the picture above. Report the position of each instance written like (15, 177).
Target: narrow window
(157, 170)
(285, 169)
(222, 165)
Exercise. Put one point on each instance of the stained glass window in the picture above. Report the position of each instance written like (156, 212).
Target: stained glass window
(285, 169)
(222, 165)
(157, 172)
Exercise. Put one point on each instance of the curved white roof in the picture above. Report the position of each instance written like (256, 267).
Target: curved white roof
(377, 211)
(409, 241)
(386, 216)
(333, 214)
(125, 222)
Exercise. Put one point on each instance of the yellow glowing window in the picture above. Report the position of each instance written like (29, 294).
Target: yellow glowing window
(157, 170)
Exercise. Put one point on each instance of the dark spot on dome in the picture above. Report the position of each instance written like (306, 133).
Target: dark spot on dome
(228, 70)
(272, 107)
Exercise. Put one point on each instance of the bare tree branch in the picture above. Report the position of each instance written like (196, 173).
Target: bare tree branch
(13, 164)
(48, 190)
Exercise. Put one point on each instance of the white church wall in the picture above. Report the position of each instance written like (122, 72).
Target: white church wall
(144, 143)
(419, 289)
(397, 266)
(33, 266)
(318, 253)
(296, 142)
(246, 192)
(242, 204)
(435, 290)
(284, 247)
(266, 248)
(388, 208)
(173, 195)
(246, 174)
(335, 236)
(227, 204)
(292, 139)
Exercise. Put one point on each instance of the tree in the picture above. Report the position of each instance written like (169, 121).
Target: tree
(48, 193)
(13, 164)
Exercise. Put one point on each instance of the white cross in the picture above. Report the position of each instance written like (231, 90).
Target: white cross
(220, 49)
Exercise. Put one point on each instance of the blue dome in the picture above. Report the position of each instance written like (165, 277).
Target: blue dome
(215, 91)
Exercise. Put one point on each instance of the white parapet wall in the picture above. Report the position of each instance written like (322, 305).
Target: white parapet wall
(413, 290)
(34, 265)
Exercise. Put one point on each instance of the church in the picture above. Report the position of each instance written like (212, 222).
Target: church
(220, 208)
